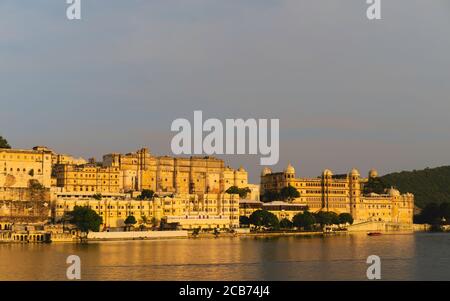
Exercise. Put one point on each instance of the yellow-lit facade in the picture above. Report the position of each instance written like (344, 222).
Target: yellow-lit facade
(19, 168)
(87, 178)
(342, 194)
(189, 210)
(195, 175)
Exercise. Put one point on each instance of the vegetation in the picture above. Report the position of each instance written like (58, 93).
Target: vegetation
(434, 214)
(270, 196)
(286, 224)
(375, 185)
(345, 218)
(97, 196)
(327, 218)
(146, 194)
(35, 185)
(4, 143)
(154, 221)
(241, 191)
(289, 193)
(264, 218)
(85, 219)
(244, 220)
(304, 220)
(130, 221)
(430, 185)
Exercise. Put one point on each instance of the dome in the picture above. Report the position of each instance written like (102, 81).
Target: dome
(393, 192)
(373, 173)
(266, 171)
(289, 169)
(241, 169)
(354, 172)
(327, 173)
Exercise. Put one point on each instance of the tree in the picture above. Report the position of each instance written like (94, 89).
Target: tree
(304, 220)
(434, 214)
(130, 221)
(375, 185)
(146, 194)
(270, 196)
(85, 219)
(97, 196)
(345, 218)
(241, 191)
(264, 218)
(286, 224)
(289, 193)
(143, 222)
(4, 143)
(244, 220)
(444, 209)
(327, 218)
(154, 221)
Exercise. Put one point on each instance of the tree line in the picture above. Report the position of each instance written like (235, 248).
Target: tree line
(302, 220)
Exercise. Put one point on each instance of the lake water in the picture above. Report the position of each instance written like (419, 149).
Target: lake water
(420, 256)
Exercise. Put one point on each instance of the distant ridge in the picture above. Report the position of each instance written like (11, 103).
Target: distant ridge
(428, 185)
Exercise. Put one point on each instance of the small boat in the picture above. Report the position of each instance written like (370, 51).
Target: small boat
(374, 233)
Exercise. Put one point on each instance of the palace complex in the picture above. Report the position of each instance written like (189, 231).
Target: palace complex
(342, 194)
(190, 192)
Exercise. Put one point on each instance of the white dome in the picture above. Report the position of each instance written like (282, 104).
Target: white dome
(373, 173)
(327, 173)
(354, 172)
(289, 169)
(393, 192)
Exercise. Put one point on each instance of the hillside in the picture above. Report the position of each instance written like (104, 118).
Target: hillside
(428, 185)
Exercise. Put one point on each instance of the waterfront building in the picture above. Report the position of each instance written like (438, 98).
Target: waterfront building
(342, 194)
(195, 175)
(189, 210)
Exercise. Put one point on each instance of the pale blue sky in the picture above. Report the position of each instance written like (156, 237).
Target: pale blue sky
(348, 92)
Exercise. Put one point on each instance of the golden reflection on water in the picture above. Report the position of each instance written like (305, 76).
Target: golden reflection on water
(342, 257)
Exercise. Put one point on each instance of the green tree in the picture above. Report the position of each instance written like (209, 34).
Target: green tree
(4, 143)
(270, 196)
(444, 208)
(146, 194)
(154, 221)
(345, 218)
(130, 221)
(289, 193)
(97, 196)
(304, 220)
(327, 218)
(286, 224)
(244, 220)
(85, 219)
(243, 192)
(375, 185)
(264, 218)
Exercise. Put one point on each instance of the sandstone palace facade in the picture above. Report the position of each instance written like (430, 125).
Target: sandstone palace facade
(189, 191)
(343, 193)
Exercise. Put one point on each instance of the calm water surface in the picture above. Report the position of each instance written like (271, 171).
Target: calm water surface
(421, 256)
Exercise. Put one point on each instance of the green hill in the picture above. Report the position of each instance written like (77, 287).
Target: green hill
(428, 185)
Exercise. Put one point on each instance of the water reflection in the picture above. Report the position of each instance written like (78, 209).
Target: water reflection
(343, 257)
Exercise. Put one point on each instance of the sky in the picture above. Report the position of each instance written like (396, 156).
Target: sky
(348, 92)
